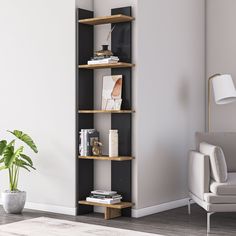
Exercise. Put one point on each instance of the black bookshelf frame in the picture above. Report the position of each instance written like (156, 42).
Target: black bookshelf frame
(121, 45)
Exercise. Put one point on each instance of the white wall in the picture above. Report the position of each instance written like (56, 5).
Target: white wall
(84, 4)
(221, 56)
(170, 99)
(37, 74)
(169, 95)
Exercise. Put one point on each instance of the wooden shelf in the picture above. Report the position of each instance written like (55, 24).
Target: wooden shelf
(104, 66)
(111, 210)
(106, 20)
(107, 158)
(120, 205)
(104, 111)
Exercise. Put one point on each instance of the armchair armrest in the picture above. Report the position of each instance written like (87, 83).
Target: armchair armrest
(198, 174)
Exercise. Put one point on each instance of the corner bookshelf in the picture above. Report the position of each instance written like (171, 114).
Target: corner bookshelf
(121, 45)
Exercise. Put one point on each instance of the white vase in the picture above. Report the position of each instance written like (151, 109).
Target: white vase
(113, 143)
(13, 201)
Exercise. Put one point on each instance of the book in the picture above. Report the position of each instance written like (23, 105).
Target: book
(87, 138)
(117, 196)
(104, 192)
(103, 60)
(104, 57)
(104, 201)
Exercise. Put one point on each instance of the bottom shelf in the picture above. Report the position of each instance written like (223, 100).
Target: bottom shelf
(111, 210)
(120, 205)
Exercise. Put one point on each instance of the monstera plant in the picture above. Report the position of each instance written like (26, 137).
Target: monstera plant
(13, 159)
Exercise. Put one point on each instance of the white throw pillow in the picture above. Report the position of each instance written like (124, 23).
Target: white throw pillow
(217, 160)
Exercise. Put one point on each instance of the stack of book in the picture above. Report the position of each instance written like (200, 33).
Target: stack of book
(87, 138)
(105, 197)
(103, 60)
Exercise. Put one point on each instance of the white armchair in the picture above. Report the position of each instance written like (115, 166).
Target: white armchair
(212, 194)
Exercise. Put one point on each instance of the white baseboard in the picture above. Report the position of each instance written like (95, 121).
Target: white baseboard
(136, 213)
(49, 208)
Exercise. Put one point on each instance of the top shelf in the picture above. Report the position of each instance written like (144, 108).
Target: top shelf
(106, 20)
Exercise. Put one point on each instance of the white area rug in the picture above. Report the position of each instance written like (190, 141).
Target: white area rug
(43, 226)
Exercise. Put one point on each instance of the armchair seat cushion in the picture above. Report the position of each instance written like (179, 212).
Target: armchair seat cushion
(219, 199)
(227, 188)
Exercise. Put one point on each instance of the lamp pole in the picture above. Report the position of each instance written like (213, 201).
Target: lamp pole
(209, 100)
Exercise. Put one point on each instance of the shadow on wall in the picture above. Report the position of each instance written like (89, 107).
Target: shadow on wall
(183, 93)
(166, 170)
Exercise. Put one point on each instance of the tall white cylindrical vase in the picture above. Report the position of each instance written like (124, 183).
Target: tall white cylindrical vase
(113, 143)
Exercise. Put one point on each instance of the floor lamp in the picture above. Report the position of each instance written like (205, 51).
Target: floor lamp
(224, 91)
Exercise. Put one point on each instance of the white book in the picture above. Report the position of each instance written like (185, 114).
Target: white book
(95, 62)
(104, 192)
(114, 58)
(104, 201)
(106, 58)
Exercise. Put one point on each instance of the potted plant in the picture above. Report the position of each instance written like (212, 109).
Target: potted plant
(13, 159)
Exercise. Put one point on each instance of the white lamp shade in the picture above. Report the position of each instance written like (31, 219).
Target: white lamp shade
(224, 89)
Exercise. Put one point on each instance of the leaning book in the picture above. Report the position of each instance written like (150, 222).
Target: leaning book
(111, 92)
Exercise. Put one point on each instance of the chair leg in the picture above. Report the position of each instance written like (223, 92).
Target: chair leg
(209, 221)
(189, 206)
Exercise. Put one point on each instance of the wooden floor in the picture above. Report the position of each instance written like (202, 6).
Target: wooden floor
(173, 223)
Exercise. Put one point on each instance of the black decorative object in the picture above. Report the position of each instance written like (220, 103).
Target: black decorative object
(105, 52)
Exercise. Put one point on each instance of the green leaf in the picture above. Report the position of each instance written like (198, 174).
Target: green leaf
(2, 160)
(18, 162)
(25, 138)
(28, 159)
(3, 145)
(30, 167)
(10, 156)
(7, 155)
(22, 163)
(25, 168)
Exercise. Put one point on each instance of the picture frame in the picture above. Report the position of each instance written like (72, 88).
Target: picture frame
(112, 92)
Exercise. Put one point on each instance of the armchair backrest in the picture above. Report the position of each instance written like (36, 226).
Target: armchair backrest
(226, 140)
